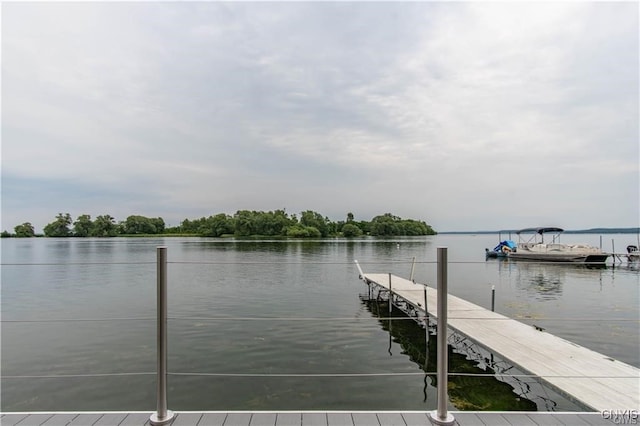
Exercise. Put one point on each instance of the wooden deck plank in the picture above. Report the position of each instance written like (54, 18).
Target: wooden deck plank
(110, 419)
(590, 377)
(365, 419)
(391, 419)
(12, 419)
(594, 420)
(314, 419)
(566, 419)
(494, 419)
(468, 419)
(263, 419)
(58, 419)
(237, 419)
(138, 419)
(522, 420)
(415, 419)
(551, 420)
(34, 419)
(339, 419)
(289, 419)
(85, 419)
(212, 419)
(187, 419)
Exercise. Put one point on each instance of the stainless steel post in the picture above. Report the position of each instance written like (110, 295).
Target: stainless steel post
(493, 298)
(162, 416)
(441, 416)
(413, 267)
(426, 329)
(390, 297)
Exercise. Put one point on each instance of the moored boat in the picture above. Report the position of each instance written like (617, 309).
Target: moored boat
(501, 250)
(532, 246)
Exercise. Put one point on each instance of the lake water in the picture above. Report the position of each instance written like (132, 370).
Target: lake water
(278, 325)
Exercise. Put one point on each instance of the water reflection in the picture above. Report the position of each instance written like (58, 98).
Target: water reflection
(545, 281)
(466, 392)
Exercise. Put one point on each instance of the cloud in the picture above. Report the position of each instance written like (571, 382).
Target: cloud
(444, 112)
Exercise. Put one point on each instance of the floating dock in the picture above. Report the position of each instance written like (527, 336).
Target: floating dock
(593, 380)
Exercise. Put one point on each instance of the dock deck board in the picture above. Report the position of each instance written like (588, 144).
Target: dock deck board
(308, 418)
(591, 378)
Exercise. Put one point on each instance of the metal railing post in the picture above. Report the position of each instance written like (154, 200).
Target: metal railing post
(440, 416)
(413, 267)
(390, 296)
(493, 298)
(162, 416)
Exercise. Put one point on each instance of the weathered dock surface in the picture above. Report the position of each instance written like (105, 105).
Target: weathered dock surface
(314, 418)
(592, 379)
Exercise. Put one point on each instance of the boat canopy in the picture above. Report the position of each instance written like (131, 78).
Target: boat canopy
(539, 230)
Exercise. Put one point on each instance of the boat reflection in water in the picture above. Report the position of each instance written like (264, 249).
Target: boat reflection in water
(542, 281)
(469, 387)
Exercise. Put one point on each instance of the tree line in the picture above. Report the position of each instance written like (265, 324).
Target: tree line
(244, 223)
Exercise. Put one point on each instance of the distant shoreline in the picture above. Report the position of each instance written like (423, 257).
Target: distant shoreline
(569, 231)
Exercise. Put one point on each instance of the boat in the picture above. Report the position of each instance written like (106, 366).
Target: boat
(532, 246)
(501, 250)
(633, 255)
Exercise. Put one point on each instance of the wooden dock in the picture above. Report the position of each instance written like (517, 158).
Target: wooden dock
(315, 418)
(593, 380)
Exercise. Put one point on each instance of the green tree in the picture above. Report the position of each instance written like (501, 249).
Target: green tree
(82, 226)
(313, 219)
(24, 231)
(351, 230)
(159, 224)
(136, 224)
(389, 225)
(301, 231)
(244, 223)
(216, 226)
(104, 226)
(59, 227)
(385, 225)
(271, 223)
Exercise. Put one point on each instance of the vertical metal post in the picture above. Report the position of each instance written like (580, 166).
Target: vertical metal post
(162, 416)
(441, 416)
(389, 316)
(413, 267)
(390, 296)
(426, 322)
(493, 298)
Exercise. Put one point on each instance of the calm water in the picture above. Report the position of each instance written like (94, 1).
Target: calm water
(243, 307)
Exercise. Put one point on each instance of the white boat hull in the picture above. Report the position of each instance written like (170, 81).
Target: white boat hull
(559, 253)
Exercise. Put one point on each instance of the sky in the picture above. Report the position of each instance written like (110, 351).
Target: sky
(466, 115)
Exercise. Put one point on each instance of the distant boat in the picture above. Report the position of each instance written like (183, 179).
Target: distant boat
(633, 255)
(531, 246)
(501, 250)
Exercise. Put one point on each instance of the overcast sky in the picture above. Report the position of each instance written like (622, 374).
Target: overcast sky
(469, 116)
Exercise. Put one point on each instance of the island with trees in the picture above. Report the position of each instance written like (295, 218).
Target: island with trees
(244, 223)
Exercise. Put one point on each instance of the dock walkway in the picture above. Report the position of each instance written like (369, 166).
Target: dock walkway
(314, 418)
(594, 380)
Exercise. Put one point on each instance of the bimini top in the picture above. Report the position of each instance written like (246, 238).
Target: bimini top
(540, 230)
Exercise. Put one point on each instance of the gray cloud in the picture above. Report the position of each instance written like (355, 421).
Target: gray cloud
(466, 115)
